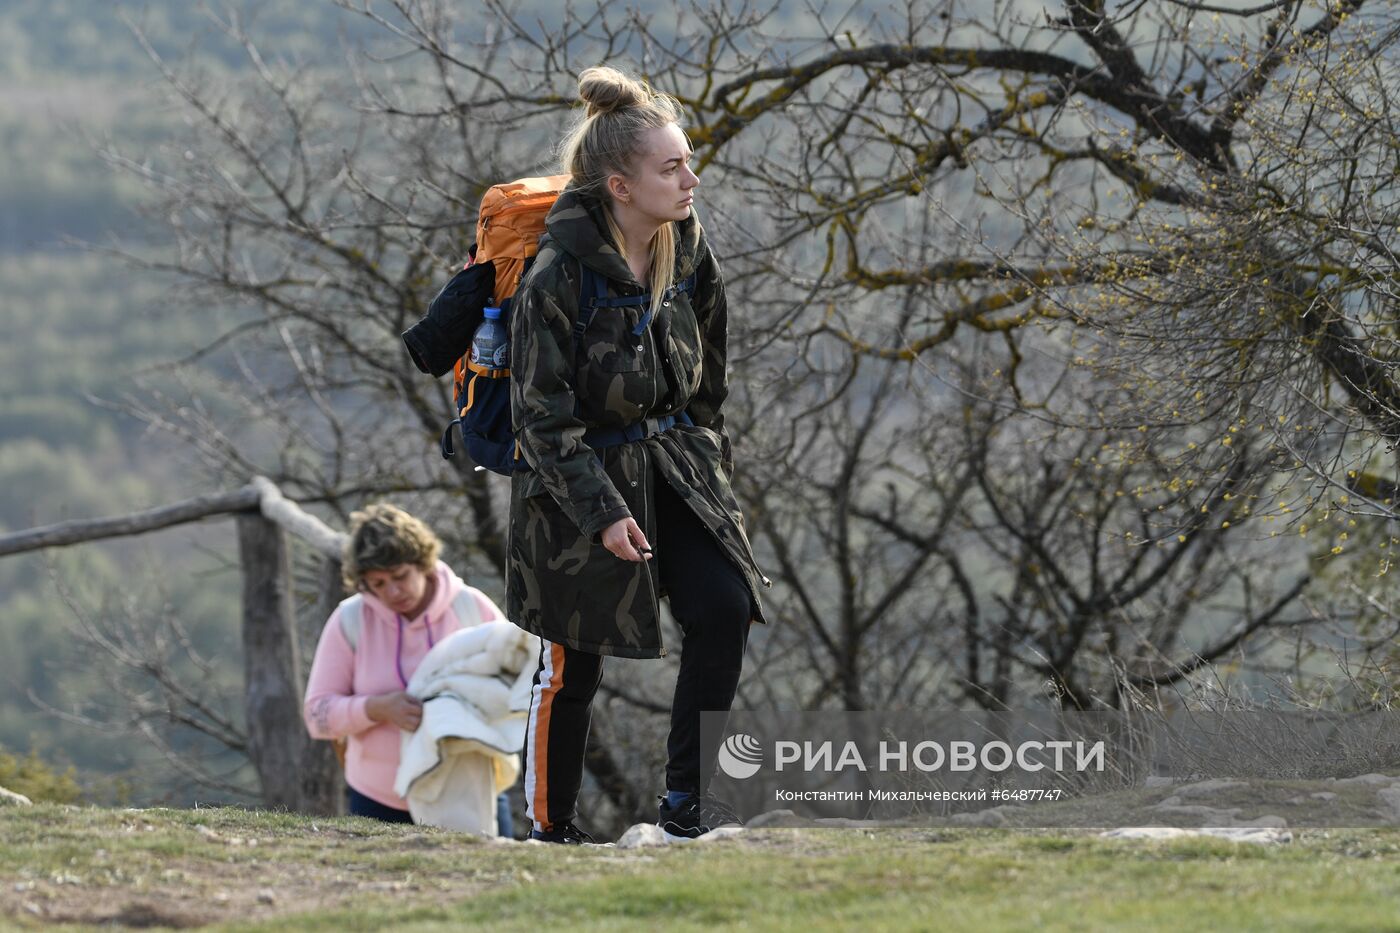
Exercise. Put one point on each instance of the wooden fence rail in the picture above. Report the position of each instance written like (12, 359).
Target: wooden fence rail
(294, 772)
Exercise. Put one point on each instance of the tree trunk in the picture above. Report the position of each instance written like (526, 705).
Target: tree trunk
(277, 739)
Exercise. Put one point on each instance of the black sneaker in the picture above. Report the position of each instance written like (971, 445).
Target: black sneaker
(694, 817)
(565, 833)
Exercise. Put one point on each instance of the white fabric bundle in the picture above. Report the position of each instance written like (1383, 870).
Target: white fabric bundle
(475, 688)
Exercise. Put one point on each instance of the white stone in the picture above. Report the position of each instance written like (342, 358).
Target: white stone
(9, 798)
(641, 836)
(1368, 779)
(1323, 795)
(721, 832)
(1390, 796)
(1217, 817)
(1258, 835)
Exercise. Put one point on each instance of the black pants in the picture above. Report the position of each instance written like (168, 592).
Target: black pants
(710, 601)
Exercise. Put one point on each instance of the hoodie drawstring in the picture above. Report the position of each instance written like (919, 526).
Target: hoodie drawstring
(398, 648)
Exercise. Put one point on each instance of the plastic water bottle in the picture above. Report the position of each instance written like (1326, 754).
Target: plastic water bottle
(491, 343)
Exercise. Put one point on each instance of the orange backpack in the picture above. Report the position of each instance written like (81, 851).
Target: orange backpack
(509, 226)
(508, 230)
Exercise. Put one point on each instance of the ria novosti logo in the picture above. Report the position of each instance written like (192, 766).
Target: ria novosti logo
(740, 756)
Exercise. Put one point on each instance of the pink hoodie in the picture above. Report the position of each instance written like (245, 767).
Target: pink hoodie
(343, 679)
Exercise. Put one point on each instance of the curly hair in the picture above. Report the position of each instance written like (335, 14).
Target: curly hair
(384, 536)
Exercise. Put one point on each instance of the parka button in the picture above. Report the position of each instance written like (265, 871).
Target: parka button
(634, 482)
(640, 348)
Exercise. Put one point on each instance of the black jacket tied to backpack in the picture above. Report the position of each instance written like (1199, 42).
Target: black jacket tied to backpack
(624, 374)
(445, 332)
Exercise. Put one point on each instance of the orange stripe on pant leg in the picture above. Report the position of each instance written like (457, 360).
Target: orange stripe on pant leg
(541, 736)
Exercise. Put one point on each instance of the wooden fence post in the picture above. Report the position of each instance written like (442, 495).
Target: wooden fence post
(322, 780)
(276, 735)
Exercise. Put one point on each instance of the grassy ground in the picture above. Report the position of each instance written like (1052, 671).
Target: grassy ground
(63, 867)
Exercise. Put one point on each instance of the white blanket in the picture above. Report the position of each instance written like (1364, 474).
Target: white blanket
(475, 688)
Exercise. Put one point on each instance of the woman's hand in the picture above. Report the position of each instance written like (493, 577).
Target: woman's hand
(399, 708)
(625, 539)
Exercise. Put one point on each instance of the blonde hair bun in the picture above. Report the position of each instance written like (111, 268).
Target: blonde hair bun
(606, 89)
(608, 139)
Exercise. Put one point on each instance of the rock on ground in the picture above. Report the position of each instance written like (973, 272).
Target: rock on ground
(1202, 788)
(1260, 835)
(775, 818)
(1367, 779)
(9, 798)
(1390, 796)
(641, 836)
(1216, 816)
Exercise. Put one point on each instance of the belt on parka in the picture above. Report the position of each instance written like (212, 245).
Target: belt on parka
(611, 437)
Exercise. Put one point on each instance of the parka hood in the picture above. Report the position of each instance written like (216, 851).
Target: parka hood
(577, 225)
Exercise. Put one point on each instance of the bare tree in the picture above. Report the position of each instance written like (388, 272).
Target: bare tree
(1201, 195)
(967, 245)
(160, 688)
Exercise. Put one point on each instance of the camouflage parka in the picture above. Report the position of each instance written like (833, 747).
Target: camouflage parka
(561, 583)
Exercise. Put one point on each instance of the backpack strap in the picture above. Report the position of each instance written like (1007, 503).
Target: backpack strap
(352, 617)
(445, 442)
(593, 294)
(593, 288)
(686, 285)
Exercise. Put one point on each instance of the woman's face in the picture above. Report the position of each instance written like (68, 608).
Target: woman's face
(661, 183)
(403, 587)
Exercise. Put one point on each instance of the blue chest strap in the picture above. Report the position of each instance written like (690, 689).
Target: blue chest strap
(593, 294)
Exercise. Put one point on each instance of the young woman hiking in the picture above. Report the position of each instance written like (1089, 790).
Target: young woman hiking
(616, 401)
